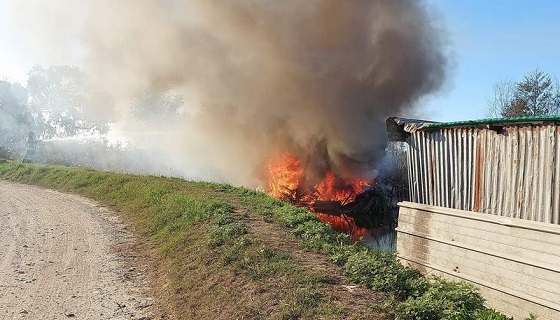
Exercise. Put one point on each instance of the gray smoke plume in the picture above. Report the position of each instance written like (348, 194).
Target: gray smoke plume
(315, 78)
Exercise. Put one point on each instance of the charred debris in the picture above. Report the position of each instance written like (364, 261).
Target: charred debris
(374, 208)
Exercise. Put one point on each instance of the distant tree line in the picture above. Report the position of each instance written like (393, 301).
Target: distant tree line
(53, 105)
(15, 118)
(536, 95)
(56, 103)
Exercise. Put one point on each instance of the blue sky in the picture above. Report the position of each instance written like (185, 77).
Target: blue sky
(489, 41)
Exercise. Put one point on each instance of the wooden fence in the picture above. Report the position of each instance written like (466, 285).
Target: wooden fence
(514, 262)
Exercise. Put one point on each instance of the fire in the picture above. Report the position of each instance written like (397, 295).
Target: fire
(329, 190)
(343, 223)
(286, 181)
(284, 177)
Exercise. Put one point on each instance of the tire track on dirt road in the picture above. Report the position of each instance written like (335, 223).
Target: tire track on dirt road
(57, 261)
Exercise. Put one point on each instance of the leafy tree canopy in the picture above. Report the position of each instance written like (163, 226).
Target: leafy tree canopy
(15, 118)
(60, 105)
(158, 108)
(537, 94)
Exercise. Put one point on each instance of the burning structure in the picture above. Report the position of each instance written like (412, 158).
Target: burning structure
(350, 205)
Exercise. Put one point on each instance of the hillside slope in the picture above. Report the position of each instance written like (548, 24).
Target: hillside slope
(59, 258)
(224, 252)
(222, 259)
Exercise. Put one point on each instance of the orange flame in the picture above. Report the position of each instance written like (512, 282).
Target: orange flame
(328, 189)
(284, 176)
(285, 181)
(343, 223)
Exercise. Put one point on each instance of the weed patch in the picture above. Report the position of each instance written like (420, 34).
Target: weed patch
(442, 300)
(381, 271)
(220, 234)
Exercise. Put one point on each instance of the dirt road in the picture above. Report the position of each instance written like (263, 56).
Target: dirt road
(62, 257)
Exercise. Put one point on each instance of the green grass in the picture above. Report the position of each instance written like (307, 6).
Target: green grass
(201, 233)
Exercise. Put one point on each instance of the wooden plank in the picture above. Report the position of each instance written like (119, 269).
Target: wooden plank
(519, 308)
(516, 263)
(410, 248)
(526, 303)
(494, 219)
(538, 282)
(535, 241)
(421, 218)
(525, 248)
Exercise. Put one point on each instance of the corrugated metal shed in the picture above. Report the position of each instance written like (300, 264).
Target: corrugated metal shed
(508, 167)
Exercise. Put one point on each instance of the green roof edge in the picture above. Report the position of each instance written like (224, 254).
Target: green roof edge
(494, 121)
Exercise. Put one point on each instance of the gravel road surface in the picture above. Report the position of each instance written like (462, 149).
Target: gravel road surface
(64, 257)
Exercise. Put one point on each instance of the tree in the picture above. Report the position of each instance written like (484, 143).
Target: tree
(59, 103)
(158, 108)
(503, 95)
(536, 95)
(15, 118)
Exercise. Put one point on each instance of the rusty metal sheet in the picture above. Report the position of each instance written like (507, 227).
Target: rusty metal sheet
(513, 172)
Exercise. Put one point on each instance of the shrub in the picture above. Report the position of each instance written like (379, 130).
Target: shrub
(445, 300)
(381, 271)
(220, 234)
(491, 314)
(6, 154)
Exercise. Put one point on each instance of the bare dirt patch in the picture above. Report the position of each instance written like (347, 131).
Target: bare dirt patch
(64, 256)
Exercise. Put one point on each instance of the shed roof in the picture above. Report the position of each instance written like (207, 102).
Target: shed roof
(399, 128)
(496, 121)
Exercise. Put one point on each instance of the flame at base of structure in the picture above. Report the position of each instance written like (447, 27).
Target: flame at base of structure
(338, 202)
(343, 223)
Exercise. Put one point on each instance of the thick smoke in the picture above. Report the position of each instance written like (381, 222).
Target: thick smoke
(315, 78)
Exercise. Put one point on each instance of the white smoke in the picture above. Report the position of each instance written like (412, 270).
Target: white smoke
(316, 78)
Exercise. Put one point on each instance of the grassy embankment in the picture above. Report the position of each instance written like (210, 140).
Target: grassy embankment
(235, 253)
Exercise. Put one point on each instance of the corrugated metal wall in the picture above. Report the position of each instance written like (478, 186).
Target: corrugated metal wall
(514, 172)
